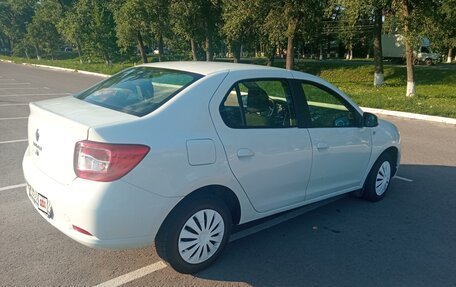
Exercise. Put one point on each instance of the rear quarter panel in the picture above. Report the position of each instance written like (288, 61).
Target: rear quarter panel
(166, 170)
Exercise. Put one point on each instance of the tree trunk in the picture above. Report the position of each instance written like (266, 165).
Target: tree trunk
(38, 57)
(78, 46)
(289, 65)
(106, 58)
(209, 54)
(161, 50)
(271, 56)
(321, 52)
(408, 51)
(328, 47)
(410, 71)
(450, 54)
(141, 48)
(290, 53)
(378, 54)
(236, 51)
(194, 52)
(26, 53)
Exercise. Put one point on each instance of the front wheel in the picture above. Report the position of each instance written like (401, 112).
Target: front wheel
(379, 179)
(194, 235)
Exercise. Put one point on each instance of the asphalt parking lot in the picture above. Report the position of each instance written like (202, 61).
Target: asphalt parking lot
(408, 239)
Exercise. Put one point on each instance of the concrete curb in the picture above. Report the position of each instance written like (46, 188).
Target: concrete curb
(398, 114)
(406, 115)
(67, 70)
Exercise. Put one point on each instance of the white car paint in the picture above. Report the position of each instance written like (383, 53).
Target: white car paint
(268, 170)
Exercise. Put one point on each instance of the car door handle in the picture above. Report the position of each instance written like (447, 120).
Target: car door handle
(322, 146)
(245, 152)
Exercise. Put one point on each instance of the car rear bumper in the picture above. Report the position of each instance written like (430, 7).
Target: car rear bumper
(117, 214)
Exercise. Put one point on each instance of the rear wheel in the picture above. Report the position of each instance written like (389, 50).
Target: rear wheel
(429, 62)
(195, 234)
(379, 178)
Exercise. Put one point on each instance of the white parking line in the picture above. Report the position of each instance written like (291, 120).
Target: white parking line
(7, 80)
(133, 275)
(31, 95)
(404, 179)
(10, 84)
(282, 218)
(13, 141)
(9, 105)
(7, 119)
(12, 187)
(41, 88)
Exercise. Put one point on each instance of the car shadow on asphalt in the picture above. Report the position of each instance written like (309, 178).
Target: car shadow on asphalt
(409, 238)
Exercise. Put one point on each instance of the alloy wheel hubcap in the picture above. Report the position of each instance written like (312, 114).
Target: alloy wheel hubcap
(201, 236)
(383, 178)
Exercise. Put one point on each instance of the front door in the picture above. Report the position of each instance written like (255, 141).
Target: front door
(341, 146)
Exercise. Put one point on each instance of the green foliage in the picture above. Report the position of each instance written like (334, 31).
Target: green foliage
(89, 24)
(42, 32)
(15, 15)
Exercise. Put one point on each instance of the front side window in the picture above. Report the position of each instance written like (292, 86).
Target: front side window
(138, 91)
(327, 110)
(258, 104)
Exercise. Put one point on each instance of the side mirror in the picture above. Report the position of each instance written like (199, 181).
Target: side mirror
(370, 120)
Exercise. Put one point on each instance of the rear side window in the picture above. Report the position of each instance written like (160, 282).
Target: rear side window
(138, 91)
(259, 104)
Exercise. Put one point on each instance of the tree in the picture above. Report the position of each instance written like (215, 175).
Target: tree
(90, 23)
(411, 19)
(197, 21)
(287, 19)
(42, 32)
(137, 19)
(15, 15)
(241, 23)
(186, 22)
(442, 29)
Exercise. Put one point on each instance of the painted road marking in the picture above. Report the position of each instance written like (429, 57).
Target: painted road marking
(7, 119)
(31, 95)
(7, 80)
(10, 84)
(13, 141)
(282, 218)
(9, 105)
(404, 178)
(42, 88)
(133, 275)
(12, 187)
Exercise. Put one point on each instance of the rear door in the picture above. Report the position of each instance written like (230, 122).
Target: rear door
(268, 154)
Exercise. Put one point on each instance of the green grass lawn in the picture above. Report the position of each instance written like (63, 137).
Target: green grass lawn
(435, 91)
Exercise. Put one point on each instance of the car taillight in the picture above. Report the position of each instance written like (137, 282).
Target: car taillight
(106, 162)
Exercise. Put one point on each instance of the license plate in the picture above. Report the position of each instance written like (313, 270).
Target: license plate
(38, 199)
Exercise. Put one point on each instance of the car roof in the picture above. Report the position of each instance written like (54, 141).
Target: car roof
(206, 68)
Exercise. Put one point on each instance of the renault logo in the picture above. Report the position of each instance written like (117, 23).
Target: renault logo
(37, 134)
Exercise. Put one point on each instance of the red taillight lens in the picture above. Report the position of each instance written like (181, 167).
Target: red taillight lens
(106, 162)
(83, 231)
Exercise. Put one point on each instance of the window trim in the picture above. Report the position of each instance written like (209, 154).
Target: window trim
(305, 108)
(235, 85)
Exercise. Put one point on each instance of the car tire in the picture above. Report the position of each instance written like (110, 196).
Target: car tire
(379, 179)
(194, 234)
(429, 62)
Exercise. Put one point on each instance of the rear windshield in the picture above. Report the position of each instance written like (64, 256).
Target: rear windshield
(138, 91)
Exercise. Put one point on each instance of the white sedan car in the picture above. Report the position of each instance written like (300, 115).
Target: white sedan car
(177, 153)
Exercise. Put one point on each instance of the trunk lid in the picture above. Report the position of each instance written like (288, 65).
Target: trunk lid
(55, 126)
